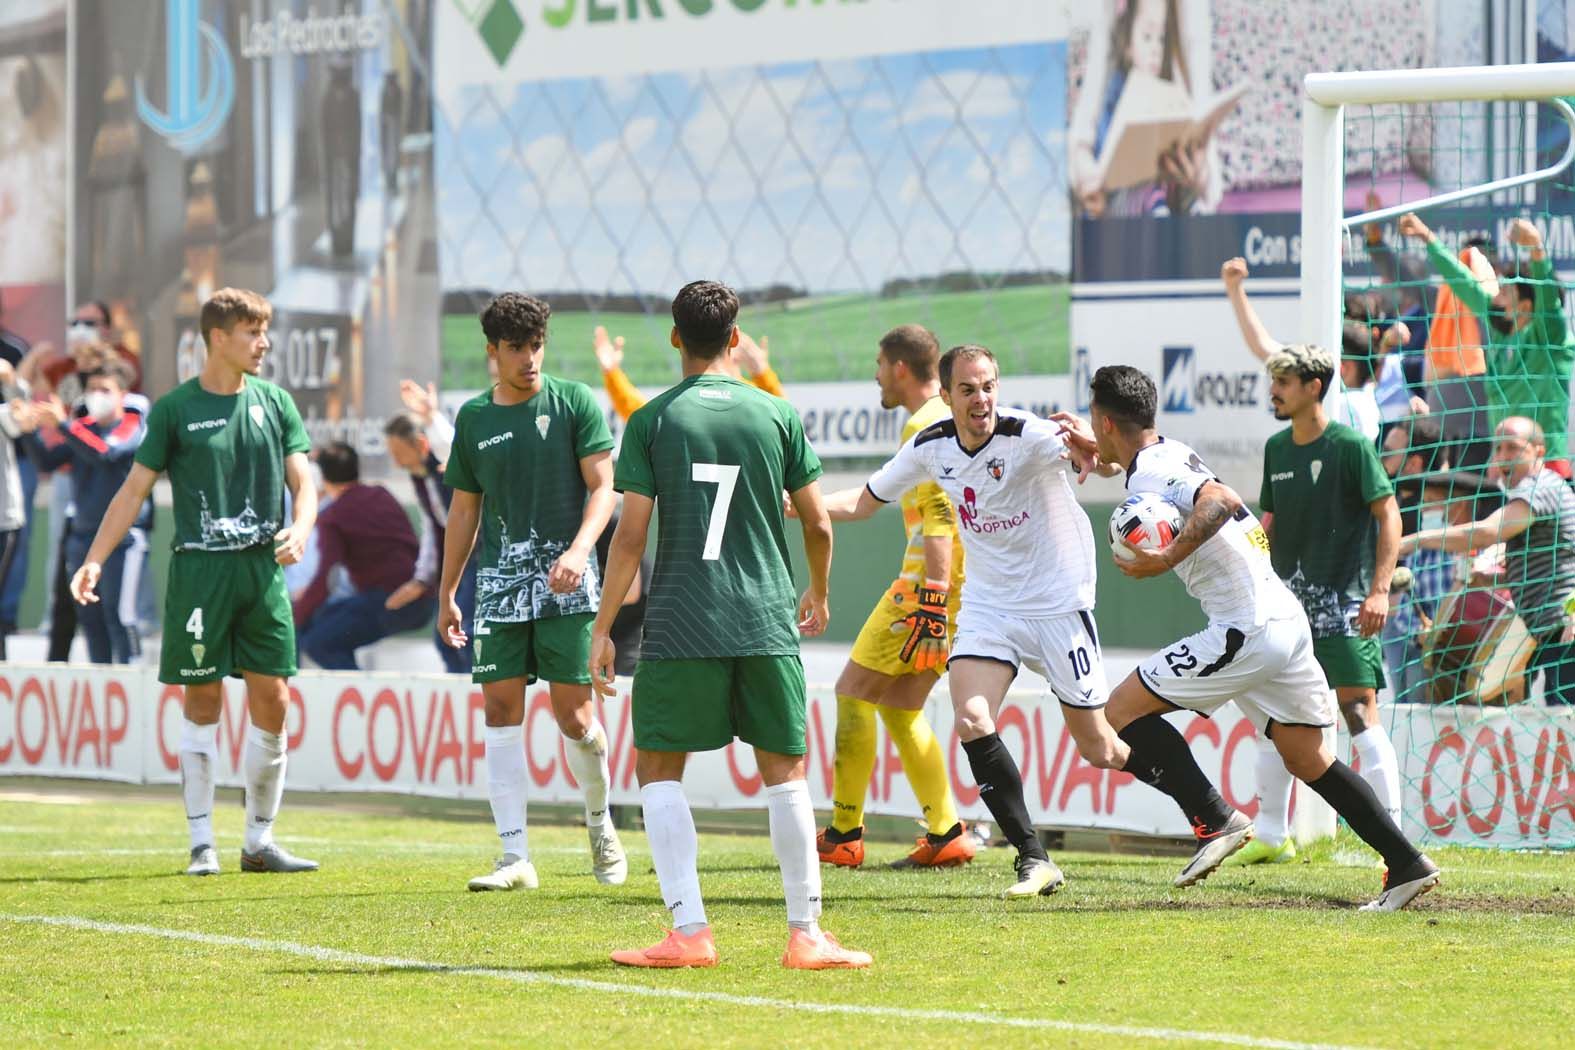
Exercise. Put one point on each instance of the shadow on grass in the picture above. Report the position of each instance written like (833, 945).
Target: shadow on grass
(85, 880)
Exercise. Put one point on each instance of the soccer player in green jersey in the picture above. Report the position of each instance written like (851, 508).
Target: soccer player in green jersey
(531, 466)
(720, 656)
(230, 443)
(1334, 531)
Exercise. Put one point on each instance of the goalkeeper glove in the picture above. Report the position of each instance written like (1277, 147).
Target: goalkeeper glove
(925, 647)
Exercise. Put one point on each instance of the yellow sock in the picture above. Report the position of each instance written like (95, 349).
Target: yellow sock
(854, 764)
(925, 765)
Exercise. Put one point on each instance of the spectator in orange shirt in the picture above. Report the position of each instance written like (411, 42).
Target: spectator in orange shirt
(749, 359)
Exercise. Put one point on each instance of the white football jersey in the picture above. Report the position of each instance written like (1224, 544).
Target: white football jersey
(1029, 547)
(1230, 574)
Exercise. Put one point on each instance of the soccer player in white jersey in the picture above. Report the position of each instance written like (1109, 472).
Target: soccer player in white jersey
(1257, 648)
(1028, 596)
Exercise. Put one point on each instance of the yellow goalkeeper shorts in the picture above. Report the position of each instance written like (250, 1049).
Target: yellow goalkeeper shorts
(879, 645)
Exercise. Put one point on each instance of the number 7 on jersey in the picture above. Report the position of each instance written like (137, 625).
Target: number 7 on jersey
(725, 478)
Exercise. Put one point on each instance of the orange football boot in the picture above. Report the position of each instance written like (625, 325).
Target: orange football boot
(848, 854)
(675, 951)
(952, 853)
(808, 952)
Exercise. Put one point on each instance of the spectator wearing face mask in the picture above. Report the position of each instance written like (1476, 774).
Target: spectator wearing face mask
(1529, 352)
(99, 444)
(12, 509)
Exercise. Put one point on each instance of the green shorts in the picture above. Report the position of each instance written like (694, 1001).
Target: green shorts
(226, 612)
(1350, 663)
(703, 704)
(557, 649)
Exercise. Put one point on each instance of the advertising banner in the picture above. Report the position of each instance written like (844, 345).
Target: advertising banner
(855, 167)
(424, 735)
(277, 146)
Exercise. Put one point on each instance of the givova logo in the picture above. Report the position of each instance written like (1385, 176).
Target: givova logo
(1179, 368)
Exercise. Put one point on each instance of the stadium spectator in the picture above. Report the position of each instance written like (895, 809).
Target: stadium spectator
(1529, 352)
(1404, 293)
(99, 445)
(1536, 524)
(14, 579)
(1352, 407)
(749, 360)
(413, 447)
(367, 531)
(90, 338)
(1417, 460)
(12, 346)
(12, 512)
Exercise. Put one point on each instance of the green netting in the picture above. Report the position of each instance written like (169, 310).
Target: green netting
(1466, 335)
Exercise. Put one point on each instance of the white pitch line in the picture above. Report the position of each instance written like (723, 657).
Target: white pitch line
(325, 845)
(334, 955)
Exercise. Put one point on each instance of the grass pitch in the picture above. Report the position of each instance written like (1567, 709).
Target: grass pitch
(814, 340)
(384, 947)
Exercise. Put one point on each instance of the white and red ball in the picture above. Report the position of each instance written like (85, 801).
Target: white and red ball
(1145, 520)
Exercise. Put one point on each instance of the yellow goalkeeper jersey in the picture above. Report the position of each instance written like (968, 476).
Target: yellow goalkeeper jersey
(927, 512)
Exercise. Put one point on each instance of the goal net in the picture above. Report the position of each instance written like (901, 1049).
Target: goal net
(1440, 237)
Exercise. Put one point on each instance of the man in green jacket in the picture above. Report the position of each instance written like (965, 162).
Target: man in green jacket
(1529, 350)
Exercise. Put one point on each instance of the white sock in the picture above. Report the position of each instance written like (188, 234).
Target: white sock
(506, 787)
(793, 841)
(1380, 767)
(199, 748)
(588, 762)
(675, 851)
(1274, 795)
(265, 761)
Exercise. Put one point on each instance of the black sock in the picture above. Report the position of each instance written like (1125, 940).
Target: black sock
(945, 836)
(1157, 744)
(1001, 788)
(1353, 798)
(853, 835)
(1141, 771)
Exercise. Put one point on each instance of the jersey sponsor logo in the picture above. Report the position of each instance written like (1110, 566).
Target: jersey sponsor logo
(968, 516)
(1284, 475)
(197, 672)
(257, 414)
(496, 439)
(996, 467)
(484, 669)
(716, 395)
(542, 423)
(206, 424)
(1316, 467)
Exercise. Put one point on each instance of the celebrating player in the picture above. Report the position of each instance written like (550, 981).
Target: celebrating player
(1257, 648)
(721, 653)
(1330, 512)
(231, 444)
(532, 465)
(901, 649)
(1029, 593)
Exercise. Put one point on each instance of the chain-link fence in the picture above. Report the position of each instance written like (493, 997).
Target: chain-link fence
(840, 198)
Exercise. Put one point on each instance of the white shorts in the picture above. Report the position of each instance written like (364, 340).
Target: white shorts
(1269, 672)
(1063, 648)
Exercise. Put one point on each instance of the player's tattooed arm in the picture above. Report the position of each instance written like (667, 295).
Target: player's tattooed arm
(1212, 507)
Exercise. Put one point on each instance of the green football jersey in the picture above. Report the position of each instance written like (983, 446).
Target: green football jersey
(1324, 537)
(224, 454)
(716, 455)
(524, 461)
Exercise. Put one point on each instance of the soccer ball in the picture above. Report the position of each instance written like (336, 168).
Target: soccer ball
(1146, 521)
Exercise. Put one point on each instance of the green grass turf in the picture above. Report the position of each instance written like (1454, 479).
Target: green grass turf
(1487, 960)
(811, 340)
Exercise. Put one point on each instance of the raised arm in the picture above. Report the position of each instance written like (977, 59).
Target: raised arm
(1253, 333)
(118, 519)
(1454, 272)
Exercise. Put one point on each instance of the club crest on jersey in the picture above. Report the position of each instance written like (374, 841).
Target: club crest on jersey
(542, 423)
(1316, 467)
(996, 467)
(477, 647)
(258, 415)
(197, 653)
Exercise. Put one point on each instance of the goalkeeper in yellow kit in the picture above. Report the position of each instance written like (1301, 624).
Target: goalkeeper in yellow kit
(901, 650)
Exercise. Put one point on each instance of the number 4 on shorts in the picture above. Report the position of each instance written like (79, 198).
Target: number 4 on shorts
(194, 624)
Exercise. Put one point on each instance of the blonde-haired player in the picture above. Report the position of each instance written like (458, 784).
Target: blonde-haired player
(901, 650)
